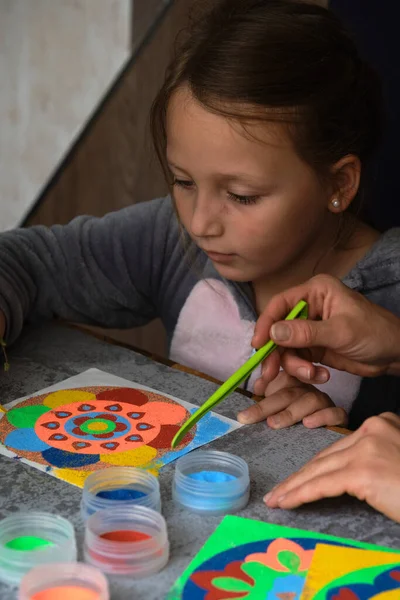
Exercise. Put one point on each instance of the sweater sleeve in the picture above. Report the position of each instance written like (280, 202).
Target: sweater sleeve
(101, 271)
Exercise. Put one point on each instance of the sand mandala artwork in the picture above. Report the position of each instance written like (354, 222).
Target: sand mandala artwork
(251, 560)
(72, 432)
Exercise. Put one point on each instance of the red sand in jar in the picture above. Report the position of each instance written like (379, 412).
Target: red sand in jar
(121, 536)
(125, 536)
(66, 592)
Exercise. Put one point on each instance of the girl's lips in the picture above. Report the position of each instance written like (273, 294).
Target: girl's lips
(220, 257)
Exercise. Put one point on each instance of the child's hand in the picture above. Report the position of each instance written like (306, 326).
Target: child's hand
(364, 464)
(288, 401)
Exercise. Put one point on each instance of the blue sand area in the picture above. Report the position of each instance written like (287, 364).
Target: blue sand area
(121, 494)
(212, 476)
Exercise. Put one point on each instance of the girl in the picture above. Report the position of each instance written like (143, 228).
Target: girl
(261, 126)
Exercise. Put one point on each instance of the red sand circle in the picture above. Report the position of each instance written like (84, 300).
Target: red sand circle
(127, 535)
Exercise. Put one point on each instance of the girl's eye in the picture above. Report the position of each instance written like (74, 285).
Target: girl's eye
(183, 183)
(243, 199)
(187, 184)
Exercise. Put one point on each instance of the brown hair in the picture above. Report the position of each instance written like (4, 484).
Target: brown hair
(280, 60)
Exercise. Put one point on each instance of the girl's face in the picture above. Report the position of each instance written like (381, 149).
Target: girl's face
(253, 206)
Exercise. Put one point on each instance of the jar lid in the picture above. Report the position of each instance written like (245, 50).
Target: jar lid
(211, 482)
(31, 539)
(64, 581)
(130, 540)
(117, 487)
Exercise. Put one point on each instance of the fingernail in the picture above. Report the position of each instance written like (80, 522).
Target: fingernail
(267, 497)
(321, 377)
(244, 417)
(276, 419)
(280, 332)
(303, 373)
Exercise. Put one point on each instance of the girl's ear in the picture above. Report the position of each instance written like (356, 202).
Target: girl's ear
(346, 174)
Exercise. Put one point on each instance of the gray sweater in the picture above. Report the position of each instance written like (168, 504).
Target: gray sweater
(129, 267)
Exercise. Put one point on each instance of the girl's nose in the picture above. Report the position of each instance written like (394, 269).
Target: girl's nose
(206, 217)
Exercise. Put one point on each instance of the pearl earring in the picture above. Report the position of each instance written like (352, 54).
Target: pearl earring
(336, 203)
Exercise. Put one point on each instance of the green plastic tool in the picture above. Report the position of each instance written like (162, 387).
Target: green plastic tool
(300, 311)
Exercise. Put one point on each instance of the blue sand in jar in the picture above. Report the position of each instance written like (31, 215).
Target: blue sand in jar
(212, 476)
(121, 494)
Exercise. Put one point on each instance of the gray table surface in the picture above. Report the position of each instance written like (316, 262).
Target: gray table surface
(43, 356)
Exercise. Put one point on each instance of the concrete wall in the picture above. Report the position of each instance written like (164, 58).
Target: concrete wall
(57, 59)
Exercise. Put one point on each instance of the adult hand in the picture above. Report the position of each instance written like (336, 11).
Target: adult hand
(365, 464)
(288, 401)
(344, 331)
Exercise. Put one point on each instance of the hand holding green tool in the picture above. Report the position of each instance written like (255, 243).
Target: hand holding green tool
(300, 311)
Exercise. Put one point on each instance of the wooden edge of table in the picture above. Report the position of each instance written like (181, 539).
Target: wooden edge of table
(166, 361)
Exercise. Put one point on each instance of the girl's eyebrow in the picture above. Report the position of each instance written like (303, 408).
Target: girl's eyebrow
(239, 177)
(177, 167)
(225, 177)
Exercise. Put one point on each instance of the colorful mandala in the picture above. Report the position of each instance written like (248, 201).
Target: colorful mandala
(276, 569)
(272, 569)
(74, 432)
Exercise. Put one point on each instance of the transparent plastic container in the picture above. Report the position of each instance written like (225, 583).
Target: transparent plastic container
(64, 581)
(129, 540)
(120, 487)
(46, 538)
(211, 482)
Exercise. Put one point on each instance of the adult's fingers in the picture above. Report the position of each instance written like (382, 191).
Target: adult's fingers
(327, 485)
(342, 444)
(384, 426)
(324, 466)
(308, 334)
(317, 292)
(335, 335)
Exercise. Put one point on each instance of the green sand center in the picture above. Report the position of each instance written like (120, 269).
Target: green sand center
(28, 543)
